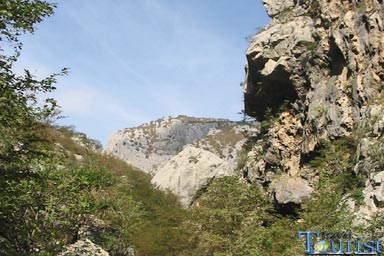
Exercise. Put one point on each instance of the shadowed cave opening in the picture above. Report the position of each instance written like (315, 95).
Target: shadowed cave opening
(267, 92)
(288, 209)
(337, 61)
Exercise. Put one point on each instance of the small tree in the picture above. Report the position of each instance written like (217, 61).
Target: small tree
(22, 119)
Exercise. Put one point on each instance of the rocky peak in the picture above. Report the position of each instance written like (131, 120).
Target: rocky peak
(317, 70)
(151, 145)
(183, 153)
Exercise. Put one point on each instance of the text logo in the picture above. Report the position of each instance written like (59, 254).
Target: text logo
(324, 243)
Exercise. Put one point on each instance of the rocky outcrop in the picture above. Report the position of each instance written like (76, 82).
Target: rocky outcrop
(290, 190)
(228, 140)
(275, 7)
(84, 248)
(89, 235)
(151, 145)
(183, 153)
(316, 73)
(190, 171)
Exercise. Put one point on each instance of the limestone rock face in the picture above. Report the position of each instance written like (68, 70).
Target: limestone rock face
(275, 7)
(152, 145)
(316, 73)
(183, 153)
(189, 171)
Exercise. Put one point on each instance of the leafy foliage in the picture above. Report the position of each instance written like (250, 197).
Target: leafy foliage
(23, 147)
(334, 165)
(225, 209)
(236, 218)
(45, 193)
(142, 216)
(337, 181)
(19, 17)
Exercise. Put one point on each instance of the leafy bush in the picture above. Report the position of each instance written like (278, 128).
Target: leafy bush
(326, 210)
(227, 208)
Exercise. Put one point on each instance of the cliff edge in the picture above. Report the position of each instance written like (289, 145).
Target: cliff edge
(315, 75)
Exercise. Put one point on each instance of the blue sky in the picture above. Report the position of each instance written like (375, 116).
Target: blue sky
(133, 61)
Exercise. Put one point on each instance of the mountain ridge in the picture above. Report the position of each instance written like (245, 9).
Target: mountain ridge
(183, 153)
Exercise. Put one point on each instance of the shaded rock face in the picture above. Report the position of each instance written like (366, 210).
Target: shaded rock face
(319, 67)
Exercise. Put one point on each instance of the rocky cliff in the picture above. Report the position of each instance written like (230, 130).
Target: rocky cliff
(183, 153)
(315, 74)
(151, 145)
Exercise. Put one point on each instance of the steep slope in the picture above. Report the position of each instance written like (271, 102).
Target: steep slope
(97, 204)
(315, 74)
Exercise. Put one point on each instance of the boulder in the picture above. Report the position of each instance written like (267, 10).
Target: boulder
(291, 190)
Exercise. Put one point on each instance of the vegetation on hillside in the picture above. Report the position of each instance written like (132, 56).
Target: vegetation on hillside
(55, 182)
(46, 193)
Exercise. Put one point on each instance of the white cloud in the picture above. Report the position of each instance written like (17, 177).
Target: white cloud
(86, 102)
(80, 100)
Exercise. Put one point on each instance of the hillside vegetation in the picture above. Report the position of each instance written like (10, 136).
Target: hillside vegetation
(54, 181)
(57, 187)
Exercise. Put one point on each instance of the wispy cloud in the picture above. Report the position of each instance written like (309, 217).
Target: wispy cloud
(174, 59)
(81, 100)
(94, 30)
(87, 101)
(137, 60)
